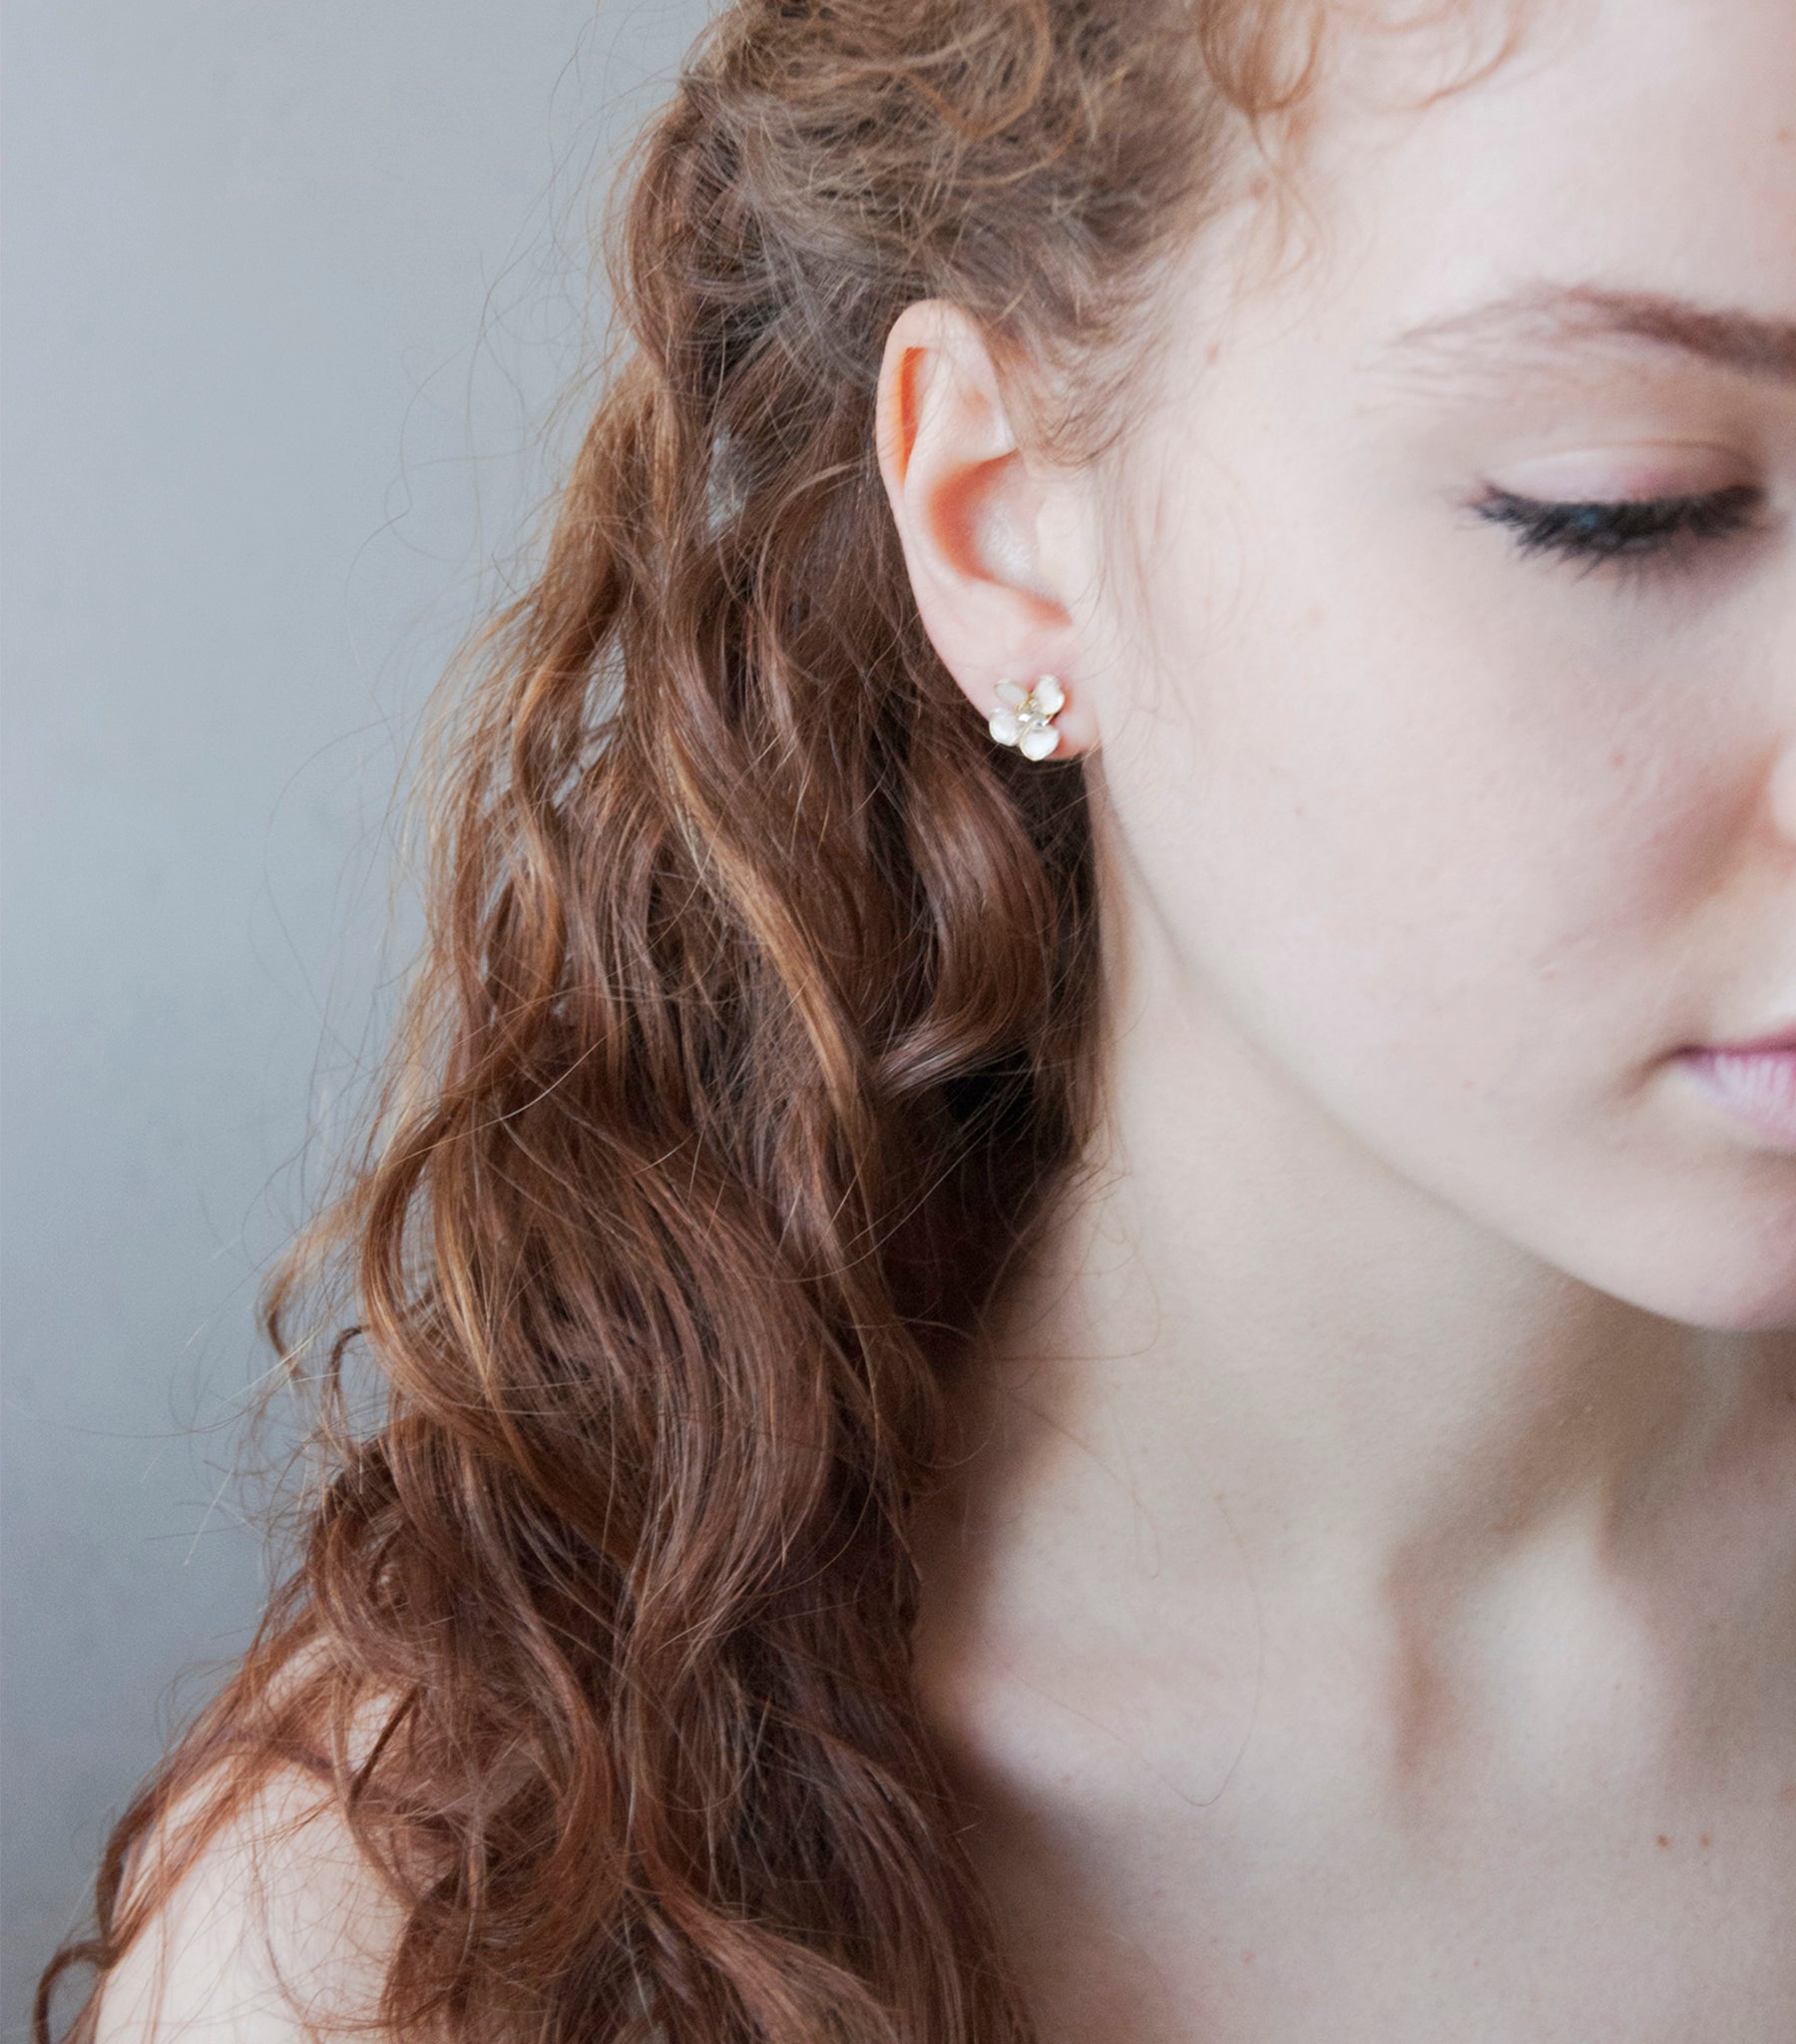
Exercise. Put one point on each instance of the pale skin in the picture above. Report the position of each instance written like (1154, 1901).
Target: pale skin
(1366, 1605)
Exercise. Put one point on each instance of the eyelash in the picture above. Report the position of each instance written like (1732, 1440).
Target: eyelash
(1623, 533)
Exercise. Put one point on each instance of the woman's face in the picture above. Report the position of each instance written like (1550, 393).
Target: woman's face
(1472, 831)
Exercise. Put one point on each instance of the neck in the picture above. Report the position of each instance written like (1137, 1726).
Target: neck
(1242, 1316)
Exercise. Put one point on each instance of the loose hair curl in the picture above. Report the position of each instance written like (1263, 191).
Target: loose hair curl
(754, 1034)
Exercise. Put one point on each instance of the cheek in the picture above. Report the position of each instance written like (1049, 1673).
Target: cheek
(1461, 861)
(1413, 840)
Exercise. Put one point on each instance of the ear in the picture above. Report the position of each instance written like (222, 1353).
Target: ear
(990, 541)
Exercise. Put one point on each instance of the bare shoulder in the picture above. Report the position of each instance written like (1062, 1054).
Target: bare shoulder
(279, 1931)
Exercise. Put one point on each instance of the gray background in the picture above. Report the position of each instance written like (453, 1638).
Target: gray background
(290, 287)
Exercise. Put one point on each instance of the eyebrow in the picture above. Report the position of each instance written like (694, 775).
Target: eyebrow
(1553, 316)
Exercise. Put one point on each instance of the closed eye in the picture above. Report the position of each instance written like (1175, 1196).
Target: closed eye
(1597, 534)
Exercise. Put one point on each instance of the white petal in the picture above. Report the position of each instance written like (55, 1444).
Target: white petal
(1038, 740)
(1003, 726)
(1012, 693)
(1050, 696)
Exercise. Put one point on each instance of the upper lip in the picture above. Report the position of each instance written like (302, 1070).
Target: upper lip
(1777, 1039)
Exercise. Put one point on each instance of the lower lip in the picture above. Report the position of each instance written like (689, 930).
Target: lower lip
(1759, 1086)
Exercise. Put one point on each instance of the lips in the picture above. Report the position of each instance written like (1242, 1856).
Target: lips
(1778, 1040)
(1756, 1082)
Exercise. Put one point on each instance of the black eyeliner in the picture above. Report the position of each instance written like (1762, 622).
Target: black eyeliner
(1597, 532)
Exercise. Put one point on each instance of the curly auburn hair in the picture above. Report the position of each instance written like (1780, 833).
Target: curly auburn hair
(754, 1034)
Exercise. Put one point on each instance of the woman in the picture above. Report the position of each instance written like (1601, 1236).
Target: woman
(1084, 1281)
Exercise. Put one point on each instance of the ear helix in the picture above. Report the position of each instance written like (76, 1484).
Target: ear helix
(1025, 718)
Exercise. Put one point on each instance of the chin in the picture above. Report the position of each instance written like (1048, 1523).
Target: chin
(1735, 1279)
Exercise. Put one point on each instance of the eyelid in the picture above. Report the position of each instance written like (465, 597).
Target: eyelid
(1626, 475)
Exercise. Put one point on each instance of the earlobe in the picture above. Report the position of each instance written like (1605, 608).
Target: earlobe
(969, 509)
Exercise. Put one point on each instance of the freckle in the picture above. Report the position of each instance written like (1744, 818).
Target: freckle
(1786, 135)
(1247, 1955)
(1788, 1794)
(1708, 1842)
(1617, 758)
(1664, 1841)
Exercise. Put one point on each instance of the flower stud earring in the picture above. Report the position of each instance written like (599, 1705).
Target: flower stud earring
(1025, 718)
